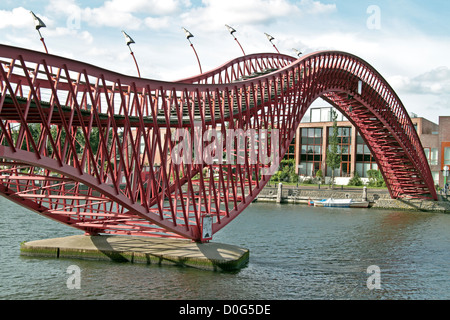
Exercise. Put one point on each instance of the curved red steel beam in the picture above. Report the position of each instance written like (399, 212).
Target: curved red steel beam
(109, 153)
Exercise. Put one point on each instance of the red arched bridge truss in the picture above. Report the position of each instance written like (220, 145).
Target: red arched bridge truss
(101, 151)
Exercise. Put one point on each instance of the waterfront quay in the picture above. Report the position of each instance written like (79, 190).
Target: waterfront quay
(378, 198)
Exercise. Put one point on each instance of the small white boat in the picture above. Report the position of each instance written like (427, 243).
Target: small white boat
(341, 203)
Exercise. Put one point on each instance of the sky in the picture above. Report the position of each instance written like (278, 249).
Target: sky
(407, 41)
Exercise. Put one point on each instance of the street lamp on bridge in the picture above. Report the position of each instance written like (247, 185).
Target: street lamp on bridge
(297, 52)
(188, 36)
(270, 38)
(39, 24)
(231, 30)
(129, 41)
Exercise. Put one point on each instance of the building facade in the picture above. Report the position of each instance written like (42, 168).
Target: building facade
(312, 140)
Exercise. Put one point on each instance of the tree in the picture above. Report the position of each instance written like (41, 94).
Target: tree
(333, 157)
(319, 175)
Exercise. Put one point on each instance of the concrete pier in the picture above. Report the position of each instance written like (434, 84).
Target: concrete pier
(162, 251)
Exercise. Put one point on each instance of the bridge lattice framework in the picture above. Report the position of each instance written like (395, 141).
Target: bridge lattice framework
(93, 149)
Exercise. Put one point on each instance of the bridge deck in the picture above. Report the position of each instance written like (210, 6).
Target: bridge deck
(220, 107)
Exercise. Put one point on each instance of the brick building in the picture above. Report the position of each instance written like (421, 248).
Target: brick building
(311, 141)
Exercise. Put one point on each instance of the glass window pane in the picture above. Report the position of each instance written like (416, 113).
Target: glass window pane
(315, 115)
(318, 133)
(304, 132)
(366, 167)
(303, 169)
(359, 170)
(434, 157)
(427, 152)
(359, 149)
(359, 139)
(447, 156)
(309, 169)
(326, 115)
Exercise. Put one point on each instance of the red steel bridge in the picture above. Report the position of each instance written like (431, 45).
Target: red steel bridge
(92, 148)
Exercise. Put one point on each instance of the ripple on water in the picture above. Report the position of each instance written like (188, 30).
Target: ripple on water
(296, 252)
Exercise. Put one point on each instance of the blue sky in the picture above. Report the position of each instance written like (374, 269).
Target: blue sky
(407, 41)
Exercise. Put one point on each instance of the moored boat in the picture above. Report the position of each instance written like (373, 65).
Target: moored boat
(341, 203)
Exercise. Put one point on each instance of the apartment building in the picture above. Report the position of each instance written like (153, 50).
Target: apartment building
(311, 142)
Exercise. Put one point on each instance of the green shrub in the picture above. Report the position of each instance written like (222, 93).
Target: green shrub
(356, 180)
(376, 178)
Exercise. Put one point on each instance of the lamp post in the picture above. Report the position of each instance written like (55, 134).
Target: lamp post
(270, 39)
(129, 41)
(188, 36)
(39, 24)
(231, 30)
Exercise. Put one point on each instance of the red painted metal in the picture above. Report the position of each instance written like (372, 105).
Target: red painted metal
(93, 149)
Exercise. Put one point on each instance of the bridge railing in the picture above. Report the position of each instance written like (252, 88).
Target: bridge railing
(242, 68)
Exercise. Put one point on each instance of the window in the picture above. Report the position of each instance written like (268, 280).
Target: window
(447, 156)
(435, 175)
(432, 156)
(315, 115)
(311, 151)
(364, 159)
(344, 148)
(290, 154)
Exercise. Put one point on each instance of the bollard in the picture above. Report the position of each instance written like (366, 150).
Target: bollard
(279, 193)
(364, 197)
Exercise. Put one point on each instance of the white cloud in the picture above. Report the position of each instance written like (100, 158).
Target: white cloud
(216, 13)
(153, 7)
(120, 13)
(16, 18)
(436, 81)
(157, 23)
(316, 7)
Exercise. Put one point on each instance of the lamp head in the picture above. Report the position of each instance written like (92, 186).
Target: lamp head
(188, 34)
(269, 37)
(230, 29)
(128, 39)
(297, 52)
(37, 21)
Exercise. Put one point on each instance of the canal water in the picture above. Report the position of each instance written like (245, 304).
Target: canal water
(296, 253)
